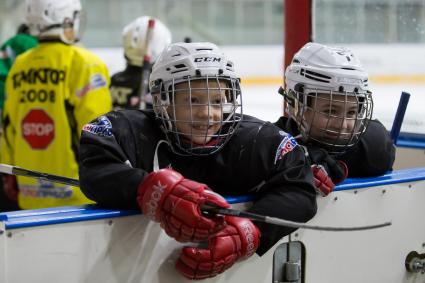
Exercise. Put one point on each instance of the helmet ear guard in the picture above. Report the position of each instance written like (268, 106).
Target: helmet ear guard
(162, 103)
(294, 99)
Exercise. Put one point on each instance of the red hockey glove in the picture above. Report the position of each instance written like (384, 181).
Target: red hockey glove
(237, 241)
(10, 187)
(323, 183)
(167, 197)
(327, 170)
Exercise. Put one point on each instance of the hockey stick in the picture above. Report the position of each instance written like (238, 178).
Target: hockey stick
(399, 116)
(283, 222)
(146, 67)
(206, 209)
(15, 170)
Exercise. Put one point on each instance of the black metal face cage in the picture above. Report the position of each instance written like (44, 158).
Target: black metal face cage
(229, 109)
(332, 135)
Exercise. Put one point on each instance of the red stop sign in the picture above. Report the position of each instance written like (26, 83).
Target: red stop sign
(38, 129)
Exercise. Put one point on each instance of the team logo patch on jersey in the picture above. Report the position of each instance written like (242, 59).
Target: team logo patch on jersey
(96, 81)
(38, 129)
(287, 144)
(101, 127)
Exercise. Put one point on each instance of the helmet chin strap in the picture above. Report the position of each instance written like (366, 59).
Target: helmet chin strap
(167, 118)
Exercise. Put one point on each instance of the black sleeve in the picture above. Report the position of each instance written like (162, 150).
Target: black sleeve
(288, 193)
(107, 148)
(373, 155)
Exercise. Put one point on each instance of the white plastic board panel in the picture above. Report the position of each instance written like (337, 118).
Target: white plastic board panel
(367, 256)
(85, 244)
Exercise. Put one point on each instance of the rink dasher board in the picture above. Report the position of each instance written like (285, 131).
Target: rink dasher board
(123, 246)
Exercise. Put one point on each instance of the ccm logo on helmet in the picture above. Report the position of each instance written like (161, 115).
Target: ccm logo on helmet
(207, 59)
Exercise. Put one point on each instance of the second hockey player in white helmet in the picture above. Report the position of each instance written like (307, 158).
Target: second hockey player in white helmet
(329, 110)
(195, 145)
(138, 42)
(327, 94)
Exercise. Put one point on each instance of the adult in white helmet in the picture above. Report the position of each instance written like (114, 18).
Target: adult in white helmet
(329, 110)
(143, 40)
(168, 162)
(52, 91)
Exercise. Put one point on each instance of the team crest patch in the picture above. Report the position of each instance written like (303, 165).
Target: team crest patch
(96, 81)
(101, 127)
(287, 144)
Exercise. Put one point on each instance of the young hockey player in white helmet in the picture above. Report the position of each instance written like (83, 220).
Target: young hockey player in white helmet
(168, 162)
(143, 36)
(329, 110)
(52, 91)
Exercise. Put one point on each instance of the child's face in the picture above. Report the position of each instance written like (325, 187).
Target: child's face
(332, 121)
(199, 112)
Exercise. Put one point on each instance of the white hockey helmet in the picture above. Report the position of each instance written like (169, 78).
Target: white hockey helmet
(50, 17)
(320, 72)
(134, 40)
(186, 63)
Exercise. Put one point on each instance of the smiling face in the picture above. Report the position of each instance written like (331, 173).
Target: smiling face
(332, 120)
(198, 109)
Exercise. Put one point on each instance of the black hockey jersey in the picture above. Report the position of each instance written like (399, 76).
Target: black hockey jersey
(120, 148)
(125, 89)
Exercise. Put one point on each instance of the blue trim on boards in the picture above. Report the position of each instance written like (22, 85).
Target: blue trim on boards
(394, 177)
(59, 215)
(67, 214)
